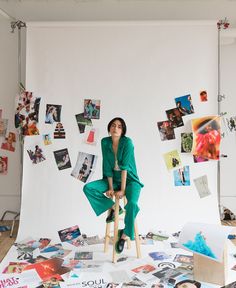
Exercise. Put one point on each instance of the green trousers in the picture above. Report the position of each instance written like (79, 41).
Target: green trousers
(95, 190)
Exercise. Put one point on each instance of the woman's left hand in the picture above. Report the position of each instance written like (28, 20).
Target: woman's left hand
(119, 194)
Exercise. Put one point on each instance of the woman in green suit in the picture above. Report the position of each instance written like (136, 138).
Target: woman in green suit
(119, 178)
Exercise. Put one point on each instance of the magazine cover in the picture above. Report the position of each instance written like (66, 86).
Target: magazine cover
(62, 159)
(53, 113)
(92, 108)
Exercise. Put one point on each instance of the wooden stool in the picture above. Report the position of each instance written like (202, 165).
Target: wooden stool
(115, 238)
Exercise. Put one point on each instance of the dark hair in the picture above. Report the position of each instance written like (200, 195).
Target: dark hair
(196, 283)
(122, 124)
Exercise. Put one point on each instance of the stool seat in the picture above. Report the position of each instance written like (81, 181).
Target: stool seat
(115, 236)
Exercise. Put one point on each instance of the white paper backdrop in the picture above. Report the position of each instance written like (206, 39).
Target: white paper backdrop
(136, 70)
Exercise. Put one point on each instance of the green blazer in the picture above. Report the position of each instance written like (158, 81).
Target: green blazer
(125, 158)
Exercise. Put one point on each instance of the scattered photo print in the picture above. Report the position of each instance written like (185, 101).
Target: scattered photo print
(201, 184)
(53, 113)
(231, 123)
(82, 122)
(199, 159)
(181, 176)
(62, 253)
(175, 117)
(47, 139)
(62, 159)
(166, 130)
(26, 114)
(3, 127)
(36, 154)
(9, 143)
(92, 108)
(91, 136)
(51, 248)
(181, 258)
(15, 267)
(59, 132)
(172, 159)
(206, 137)
(83, 255)
(184, 104)
(84, 166)
(68, 234)
(186, 142)
(52, 282)
(38, 259)
(159, 256)
(144, 269)
(3, 165)
(203, 96)
(166, 273)
(135, 282)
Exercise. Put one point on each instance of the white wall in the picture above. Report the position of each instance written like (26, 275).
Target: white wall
(136, 69)
(228, 65)
(9, 184)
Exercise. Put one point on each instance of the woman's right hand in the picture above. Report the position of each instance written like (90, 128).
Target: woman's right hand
(110, 193)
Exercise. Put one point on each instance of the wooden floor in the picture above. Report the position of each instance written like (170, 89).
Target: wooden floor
(5, 240)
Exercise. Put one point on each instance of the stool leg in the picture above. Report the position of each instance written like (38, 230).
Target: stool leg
(137, 240)
(107, 236)
(116, 224)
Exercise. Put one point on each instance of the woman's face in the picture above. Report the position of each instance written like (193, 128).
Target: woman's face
(187, 285)
(116, 129)
(10, 138)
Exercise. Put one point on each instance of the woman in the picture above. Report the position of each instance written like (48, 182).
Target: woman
(8, 144)
(119, 179)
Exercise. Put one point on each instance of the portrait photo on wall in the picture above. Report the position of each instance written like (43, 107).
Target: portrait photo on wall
(27, 113)
(3, 165)
(62, 159)
(181, 176)
(206, 137)
(59, 132)
(166, 130)
(172, 159)
(184, 104)
(3, 127)
(53, 113)
(203, 96)
(36, 154)
(175, 117)
(47, 139)
(82, 122)
(9, 142)
(91, 135)
(201, 184)
(84, 166)
(92, 108)
(186, 142)
(231, 123)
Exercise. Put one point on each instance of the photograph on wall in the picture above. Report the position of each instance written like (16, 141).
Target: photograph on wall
(91, 135)
(53, 113)
(59, 132)
(186, 142)
(184, 104)
(231, 123)
(174, 116)
(47, 139)
(3, 165)
(201, 238)
(68, 234)
(181, 176)
(82, 122)
(206, 137)
(3, 127)
(203, 96)
(92, 108)
(84, 166)
(199, 159)
(9, 142)
(172, 159)
(36, 154)
(166, 130)
(201, 184)
(62, 159)
(27, 113)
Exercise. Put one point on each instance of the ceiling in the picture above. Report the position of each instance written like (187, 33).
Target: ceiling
(98, 10)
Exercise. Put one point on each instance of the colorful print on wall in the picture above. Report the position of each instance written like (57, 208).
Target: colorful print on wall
(62, 159)
(199, 159)
(47, 139)
(203, 96)
(36, 154)
(186, 142)
(181, 176)
(53, 113)
(84, 167)
(206, 137)
(172, 159)
(166, 130)
(82, 122)
(3, 165)
(3, 127)
(9, 143)
(175, 117)
(184, 104)
(26, 114)
(91, 136)
(59, 132)
(231, 123)
(92, 108)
